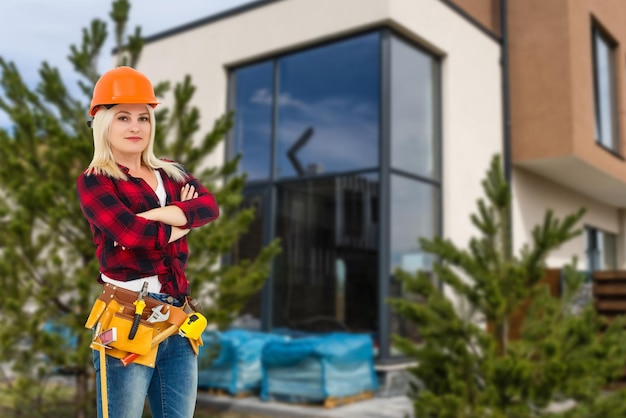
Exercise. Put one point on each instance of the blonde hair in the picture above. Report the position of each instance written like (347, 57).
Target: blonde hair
(103, 162)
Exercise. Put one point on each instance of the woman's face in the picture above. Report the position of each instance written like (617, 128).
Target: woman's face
(130, 130)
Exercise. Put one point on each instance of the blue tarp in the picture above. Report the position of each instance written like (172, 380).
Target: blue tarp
(318, 367)
(237, 367)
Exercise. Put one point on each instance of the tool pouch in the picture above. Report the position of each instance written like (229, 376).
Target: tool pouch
(114, 308)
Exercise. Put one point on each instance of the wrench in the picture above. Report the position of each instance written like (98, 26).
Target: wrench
(157, 315)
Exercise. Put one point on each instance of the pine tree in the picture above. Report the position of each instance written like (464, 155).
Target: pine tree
(48, 268)
(467, 366)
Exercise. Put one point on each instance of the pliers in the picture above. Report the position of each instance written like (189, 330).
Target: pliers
(140, 304)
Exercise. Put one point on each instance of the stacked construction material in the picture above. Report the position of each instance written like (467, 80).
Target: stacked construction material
(318, 368)
(236, 364)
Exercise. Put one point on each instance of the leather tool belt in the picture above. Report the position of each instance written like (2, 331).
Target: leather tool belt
(114, 311)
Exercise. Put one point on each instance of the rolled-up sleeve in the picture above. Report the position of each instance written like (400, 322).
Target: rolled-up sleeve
(201, 210)
(106, 212)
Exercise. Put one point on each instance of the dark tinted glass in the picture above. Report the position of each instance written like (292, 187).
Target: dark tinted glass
(328, 117)
(326, 277)
(247, 248)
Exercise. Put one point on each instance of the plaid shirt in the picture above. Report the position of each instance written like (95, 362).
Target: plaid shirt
(110, 206)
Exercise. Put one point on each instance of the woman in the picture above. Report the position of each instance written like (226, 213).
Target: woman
(140, 209)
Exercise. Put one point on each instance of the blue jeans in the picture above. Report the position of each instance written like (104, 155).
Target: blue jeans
(171, 387)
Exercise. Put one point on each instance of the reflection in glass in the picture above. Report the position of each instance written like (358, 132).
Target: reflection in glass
(326, 277)
(414, 214)
(252, 133)
(412, 110)
(328, 108)
(606, 132)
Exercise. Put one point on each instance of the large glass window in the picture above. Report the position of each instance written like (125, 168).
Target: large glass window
(313, 127)
(328, 108)
(605, 102)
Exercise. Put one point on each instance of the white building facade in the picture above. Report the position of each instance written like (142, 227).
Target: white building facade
(363, 125)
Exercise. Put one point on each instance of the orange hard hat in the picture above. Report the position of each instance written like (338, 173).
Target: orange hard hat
(122, 85)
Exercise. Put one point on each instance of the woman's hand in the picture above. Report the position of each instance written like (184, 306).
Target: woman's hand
(188, 192)
(172, 215)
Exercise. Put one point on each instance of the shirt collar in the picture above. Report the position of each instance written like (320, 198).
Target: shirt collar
(126, 169)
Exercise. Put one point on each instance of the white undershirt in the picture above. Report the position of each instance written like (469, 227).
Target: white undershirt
(154, 286)
(160, 190)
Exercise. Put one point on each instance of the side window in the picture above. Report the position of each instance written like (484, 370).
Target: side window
(601, 249)
(605, 86)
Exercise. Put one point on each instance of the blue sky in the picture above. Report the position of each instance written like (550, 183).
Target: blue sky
(33, 31)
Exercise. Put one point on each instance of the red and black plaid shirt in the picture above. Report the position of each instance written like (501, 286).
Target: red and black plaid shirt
(110, 206)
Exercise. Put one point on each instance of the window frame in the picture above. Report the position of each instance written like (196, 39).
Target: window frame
(384, 169)
(598, 33)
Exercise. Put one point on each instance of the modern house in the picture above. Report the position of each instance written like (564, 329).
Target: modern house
(365, 124)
